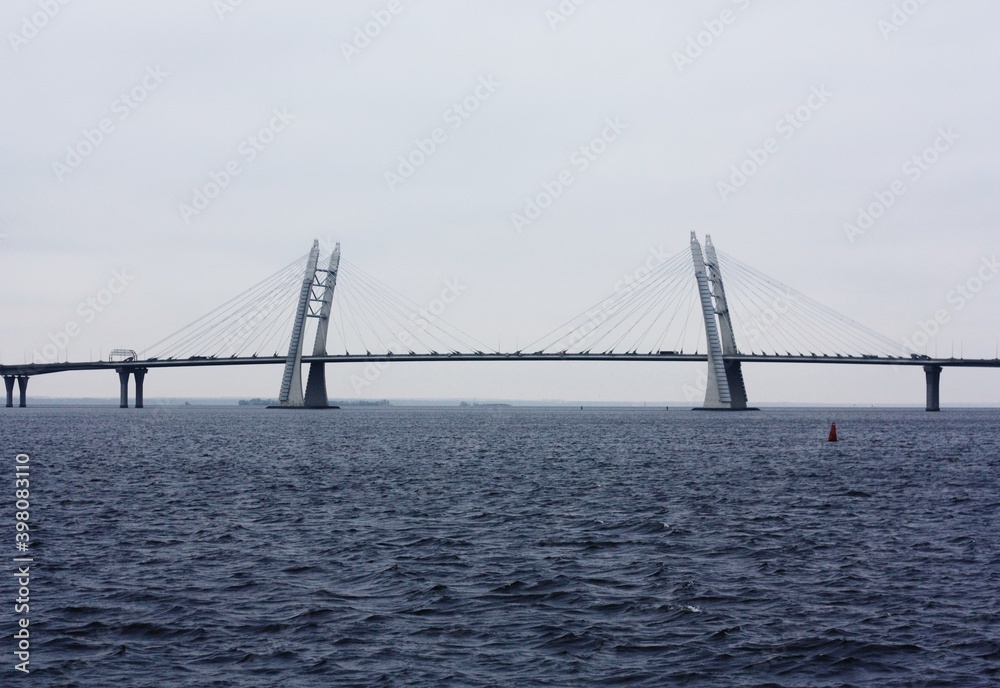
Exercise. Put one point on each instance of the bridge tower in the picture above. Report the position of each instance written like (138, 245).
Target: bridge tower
(316, 384)
(291, 381)
(725, 389)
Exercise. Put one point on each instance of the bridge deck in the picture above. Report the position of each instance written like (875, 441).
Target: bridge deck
(42, 368)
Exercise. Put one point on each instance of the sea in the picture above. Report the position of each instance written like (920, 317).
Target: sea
(194, 546)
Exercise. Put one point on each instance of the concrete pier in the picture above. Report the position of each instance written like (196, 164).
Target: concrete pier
(22, 389)
(139, 373)
(933, 373)
(8, 381)
(316, 386)
(123, 374)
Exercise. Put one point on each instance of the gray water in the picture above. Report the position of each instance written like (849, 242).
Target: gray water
(507, 547)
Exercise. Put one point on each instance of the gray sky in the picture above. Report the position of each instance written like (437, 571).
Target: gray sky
(179, 88)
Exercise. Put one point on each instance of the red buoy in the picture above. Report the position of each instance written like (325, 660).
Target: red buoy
(833, 433)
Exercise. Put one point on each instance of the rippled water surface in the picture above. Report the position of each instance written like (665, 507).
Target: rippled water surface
(396, 547)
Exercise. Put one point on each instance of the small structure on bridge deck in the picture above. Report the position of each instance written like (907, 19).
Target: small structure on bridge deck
(122, 355)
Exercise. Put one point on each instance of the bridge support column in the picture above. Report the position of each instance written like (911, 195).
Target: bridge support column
(291, 384)
(933, 374)
(22, 388)
(316, 385)
(291, 380)
(725, 387)
(8, 381)
(139, 373)
(123, 374)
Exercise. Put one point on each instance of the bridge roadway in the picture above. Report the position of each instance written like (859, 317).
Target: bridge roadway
(43, 368)
(138, 368)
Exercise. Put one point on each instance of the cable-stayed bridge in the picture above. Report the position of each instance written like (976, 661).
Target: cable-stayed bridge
(679, 310)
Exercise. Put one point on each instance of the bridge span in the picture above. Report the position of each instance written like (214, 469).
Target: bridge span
(20, 373)
(725, 386)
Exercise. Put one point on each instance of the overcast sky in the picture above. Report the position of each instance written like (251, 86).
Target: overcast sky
(116, 116)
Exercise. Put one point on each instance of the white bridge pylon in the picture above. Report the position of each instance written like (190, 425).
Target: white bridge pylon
(315, 301)
(725, 389)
